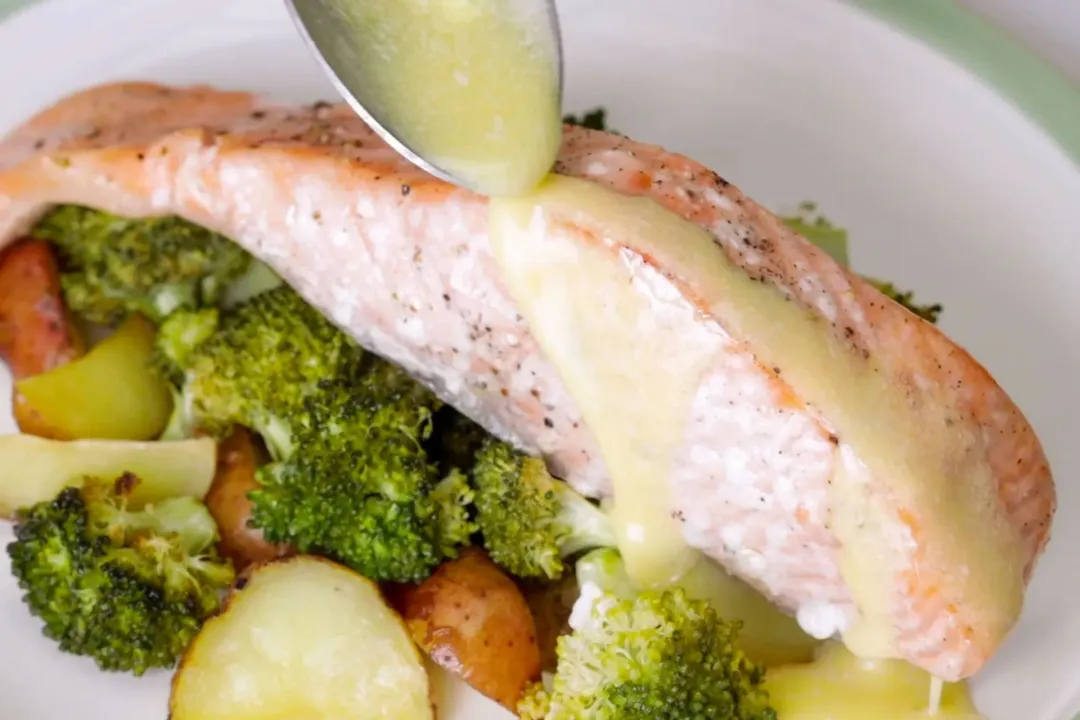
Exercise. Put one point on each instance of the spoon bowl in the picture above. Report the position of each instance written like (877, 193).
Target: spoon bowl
(470, 91)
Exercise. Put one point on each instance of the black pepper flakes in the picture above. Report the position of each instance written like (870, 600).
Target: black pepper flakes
(549, 423)
(405, 190)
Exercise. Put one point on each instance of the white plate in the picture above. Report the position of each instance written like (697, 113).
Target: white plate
(945, 187)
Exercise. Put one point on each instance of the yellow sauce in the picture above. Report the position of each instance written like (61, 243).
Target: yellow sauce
(857, 519)
(599, 330)
(470, 85)
(634, 382)
(837, 685)
(768, 636)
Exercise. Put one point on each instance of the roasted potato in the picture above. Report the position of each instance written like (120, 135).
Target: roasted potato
(36, 469)
(238, 458)
(302, 638)
(36, 332)
(29, 420)
(473, 620)
(110, 393)
(551, 604)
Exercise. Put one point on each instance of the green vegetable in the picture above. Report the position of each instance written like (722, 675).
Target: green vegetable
(178, 336)
(768, 636)
(530, 521)
(833, 240)
(657, 654)
(595, 119)
(257, 279)
(820, 231)
(46, 467)
(266, 357)
(359, 487)
(455, 440)
(128, 588)
(113, 266)
(930, 313)
(453, 498)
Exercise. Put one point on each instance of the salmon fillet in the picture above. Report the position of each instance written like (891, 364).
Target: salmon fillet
(401, 261)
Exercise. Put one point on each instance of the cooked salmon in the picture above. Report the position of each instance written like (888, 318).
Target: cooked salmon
(402, 262)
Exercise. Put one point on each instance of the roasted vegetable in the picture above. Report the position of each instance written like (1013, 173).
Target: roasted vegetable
(818, 230)
(110, 393)
(930, 313)
(128, 588)
(473, 620)
(114, 266)
(551, 604)
(658, 654)
(767, 635)
(595, 119)
(36, 333)
(360, 488)
(302, 638)
(455, 440)
(46, 467)
(239, 457)
(531, 521)
(834, 240)
(257, 367)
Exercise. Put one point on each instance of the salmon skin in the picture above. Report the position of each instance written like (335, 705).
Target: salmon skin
(402, 262)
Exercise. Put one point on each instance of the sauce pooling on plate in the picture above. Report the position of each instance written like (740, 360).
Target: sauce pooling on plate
(472, 86)
(838, 685)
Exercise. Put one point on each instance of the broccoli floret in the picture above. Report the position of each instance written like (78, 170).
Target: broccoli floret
(127, 587)
(113, 266)
(930, 313)
(453, 498)
(657, 654)
(178, 336)
(595, 119)
(834, 240)
(455, 440)
(266, 357)
(360, 488)
(818, 230)
(530, 521)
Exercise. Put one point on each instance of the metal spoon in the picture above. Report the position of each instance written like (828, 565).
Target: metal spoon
(342, 32)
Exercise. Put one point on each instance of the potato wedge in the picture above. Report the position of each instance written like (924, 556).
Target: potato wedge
(302, 638)
(111, 393)
(29, 420)
(36, 331)
(36, 469)
(473, 620)
(238, 458)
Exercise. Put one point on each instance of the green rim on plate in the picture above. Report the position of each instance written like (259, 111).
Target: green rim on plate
(1031, 83)
(1017, 73)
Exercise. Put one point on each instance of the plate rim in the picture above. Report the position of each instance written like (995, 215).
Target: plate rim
(1042, 91)
(1036, 101)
